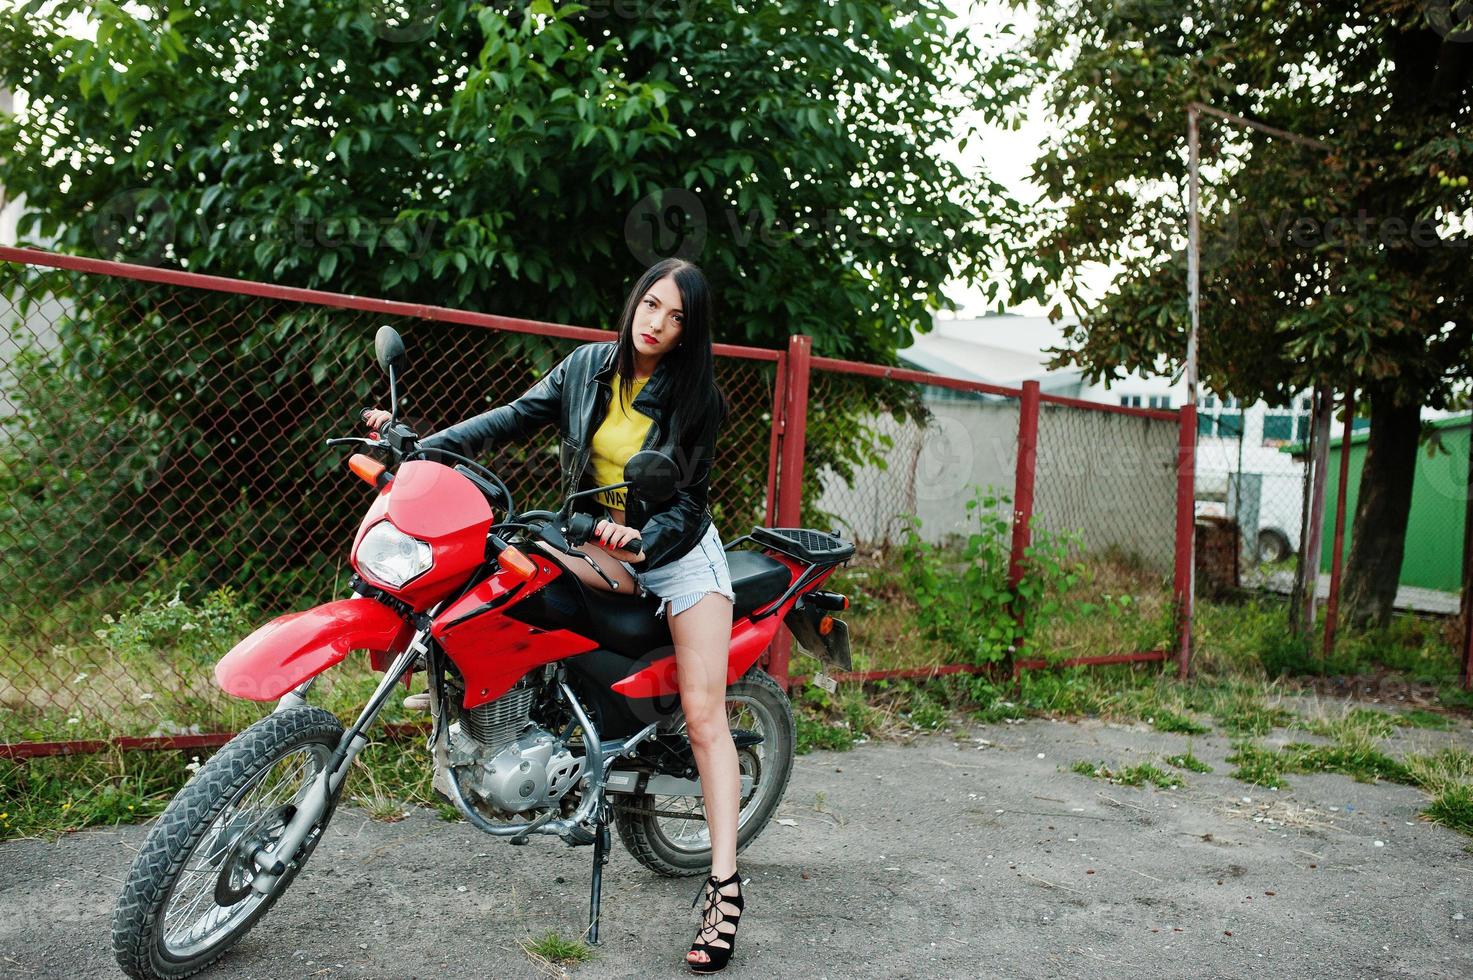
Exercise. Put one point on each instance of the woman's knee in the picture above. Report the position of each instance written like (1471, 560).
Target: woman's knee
(707, 728)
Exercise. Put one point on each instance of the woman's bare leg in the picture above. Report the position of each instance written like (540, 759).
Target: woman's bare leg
(702, 635)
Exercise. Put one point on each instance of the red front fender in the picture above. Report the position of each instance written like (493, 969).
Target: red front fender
(288, 650)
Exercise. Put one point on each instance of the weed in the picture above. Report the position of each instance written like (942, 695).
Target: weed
(963, 598)
(1261, 766)
(552, 949)
(816, 735)
(1453, 807)
(1447, 779)
(1137, 775)
(1250, 716)
(1167, 721)
(1258, 766)
(1422, 718)
(1364, 765)
(1189, 762)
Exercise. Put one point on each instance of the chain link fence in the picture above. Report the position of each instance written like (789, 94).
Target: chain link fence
(936, 466)
(166, 488)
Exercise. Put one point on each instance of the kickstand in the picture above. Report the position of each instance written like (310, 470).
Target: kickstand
(601, 843)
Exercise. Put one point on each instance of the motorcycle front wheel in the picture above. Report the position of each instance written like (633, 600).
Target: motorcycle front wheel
(188, 896)
(668, 834)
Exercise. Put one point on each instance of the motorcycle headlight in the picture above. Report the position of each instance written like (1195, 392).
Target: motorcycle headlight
(391, 556)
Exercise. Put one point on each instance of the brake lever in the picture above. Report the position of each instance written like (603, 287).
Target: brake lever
(371, 443)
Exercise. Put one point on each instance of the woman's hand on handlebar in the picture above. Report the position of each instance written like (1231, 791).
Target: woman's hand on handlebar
(375, 418)
(612, 538)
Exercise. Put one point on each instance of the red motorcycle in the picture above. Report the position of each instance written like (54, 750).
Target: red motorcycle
(554, 708)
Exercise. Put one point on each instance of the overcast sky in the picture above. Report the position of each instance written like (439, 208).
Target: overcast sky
(1007, 155)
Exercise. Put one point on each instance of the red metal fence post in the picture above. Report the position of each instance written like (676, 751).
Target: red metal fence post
(1023, 494)
(790, 472)
(779, 394)
(1184, 585)
(1337, 546)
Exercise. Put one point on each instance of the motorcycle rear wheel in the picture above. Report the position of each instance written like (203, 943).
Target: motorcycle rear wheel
(668, 834)
(188, 896)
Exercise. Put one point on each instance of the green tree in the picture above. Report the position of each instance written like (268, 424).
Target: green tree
(524, 158)
(1346, 266)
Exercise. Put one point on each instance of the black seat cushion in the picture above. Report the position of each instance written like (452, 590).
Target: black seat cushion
(756, 579)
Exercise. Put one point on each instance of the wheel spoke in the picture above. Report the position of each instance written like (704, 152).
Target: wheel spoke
(193, 919)
(689, 831)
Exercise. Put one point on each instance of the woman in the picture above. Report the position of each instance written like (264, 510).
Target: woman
(661, 394)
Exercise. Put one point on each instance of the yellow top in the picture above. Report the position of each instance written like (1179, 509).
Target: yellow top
(621, 435)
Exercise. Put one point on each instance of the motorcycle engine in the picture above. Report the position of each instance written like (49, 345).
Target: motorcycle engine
(507, 761)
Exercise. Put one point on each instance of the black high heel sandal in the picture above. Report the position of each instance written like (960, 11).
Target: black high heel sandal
(712, 917)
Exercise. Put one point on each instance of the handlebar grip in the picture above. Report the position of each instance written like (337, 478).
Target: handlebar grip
(636, 545)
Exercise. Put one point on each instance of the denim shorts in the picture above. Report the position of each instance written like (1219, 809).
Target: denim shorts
(683, 582)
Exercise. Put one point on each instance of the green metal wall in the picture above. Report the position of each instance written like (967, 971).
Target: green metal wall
(1434, 543)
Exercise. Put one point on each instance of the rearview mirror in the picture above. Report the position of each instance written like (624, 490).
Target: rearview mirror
(388, 346)
(652, 475)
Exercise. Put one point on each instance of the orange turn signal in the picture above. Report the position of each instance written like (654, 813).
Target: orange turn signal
(366, 468)
(826, 625)
(514, 561)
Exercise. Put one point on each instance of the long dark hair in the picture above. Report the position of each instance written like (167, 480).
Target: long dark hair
(692, 396)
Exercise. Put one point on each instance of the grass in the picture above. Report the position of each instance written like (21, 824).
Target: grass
(1422, 718)
(1170, 721)
(50, 796)
(1447, 778)
(1137, 775)
(1188, 762)
(138, 662)
(1260, 766)
(550, 952)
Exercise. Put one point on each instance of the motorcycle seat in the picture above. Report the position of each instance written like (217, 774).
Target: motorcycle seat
(756, 579)
(628, 624)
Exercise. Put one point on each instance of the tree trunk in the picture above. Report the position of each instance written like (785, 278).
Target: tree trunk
(1378, 538)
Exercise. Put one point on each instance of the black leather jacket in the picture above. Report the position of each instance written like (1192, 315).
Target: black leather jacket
(576, 394)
